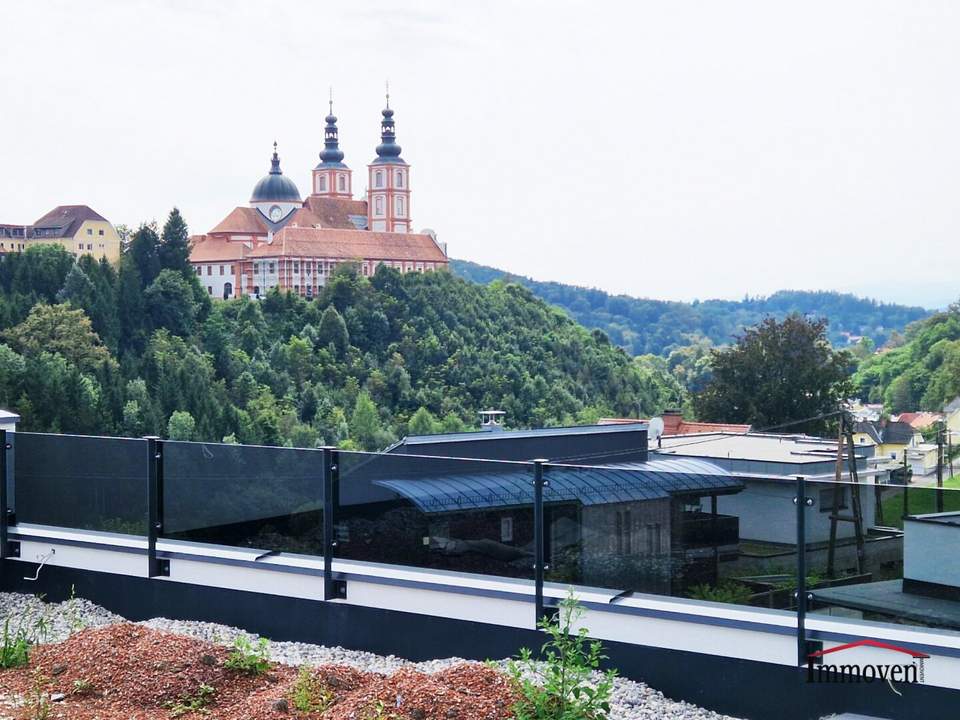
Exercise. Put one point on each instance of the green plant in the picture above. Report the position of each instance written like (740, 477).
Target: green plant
(15, 651)
(74, 619)
(195, 702)
(82, 686)
(728, 591)
(249, 658)
(38, 702)
(378, 711)
(309, 693)
(562, 686)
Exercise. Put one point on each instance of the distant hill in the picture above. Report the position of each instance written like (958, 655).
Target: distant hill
(643, 326)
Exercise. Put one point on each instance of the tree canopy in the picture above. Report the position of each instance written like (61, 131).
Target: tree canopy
(777, 373)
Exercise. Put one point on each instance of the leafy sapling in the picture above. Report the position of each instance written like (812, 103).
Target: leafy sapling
(561, 684)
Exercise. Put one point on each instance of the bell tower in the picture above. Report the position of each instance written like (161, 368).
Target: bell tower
(388, 188)
(332, 178)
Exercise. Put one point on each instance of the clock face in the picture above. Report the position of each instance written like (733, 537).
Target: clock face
(276, 213)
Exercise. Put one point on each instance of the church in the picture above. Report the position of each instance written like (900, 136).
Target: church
(282, 241)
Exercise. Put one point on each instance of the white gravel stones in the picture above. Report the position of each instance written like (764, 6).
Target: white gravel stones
(51, 622)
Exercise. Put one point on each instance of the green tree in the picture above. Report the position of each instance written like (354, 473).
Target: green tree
(59, 329)
(181, 426)
(170, 303)
(422, 423)
(333, 330)
(174, 251)
(777, 373)
(145, 251)
(365, 427)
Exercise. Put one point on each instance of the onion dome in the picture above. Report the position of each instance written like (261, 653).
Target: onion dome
(331, 156)
(388, 151)
(275, 187)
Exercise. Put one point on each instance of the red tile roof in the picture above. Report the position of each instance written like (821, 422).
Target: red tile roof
(204, 248)
(919, 420)
(335, 212)
(242, 220)
(673, 425)
(351, 245)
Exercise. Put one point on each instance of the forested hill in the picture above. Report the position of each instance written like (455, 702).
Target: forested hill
(921, 374)
(658, 326)
(140, 349)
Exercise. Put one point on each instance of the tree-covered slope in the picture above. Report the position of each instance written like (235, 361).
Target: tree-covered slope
(139, 349)
(923, 373)
(659, 326)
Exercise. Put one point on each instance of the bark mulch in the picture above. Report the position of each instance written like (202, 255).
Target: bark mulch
(136, 673)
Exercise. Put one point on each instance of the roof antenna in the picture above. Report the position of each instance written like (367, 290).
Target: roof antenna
(388, 94)
(331, 99)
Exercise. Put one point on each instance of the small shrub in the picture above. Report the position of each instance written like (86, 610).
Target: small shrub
(309, 693)
(82, 686)
(249, 658)
(15, 651)
(196, 702)
(728, 591)
(38, 702)
(378, 711)
(561, 685)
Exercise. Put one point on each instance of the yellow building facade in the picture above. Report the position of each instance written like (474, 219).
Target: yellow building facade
(76, 228)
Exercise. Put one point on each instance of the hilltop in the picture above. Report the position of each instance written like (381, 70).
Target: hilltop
(642, 325)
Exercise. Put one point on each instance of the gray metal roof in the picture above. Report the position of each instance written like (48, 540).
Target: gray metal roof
(629, 482)
(504, 434)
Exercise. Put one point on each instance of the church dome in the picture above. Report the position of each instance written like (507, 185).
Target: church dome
(275, 186)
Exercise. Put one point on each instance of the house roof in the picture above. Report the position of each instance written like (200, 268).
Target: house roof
(953, 405)
(351, 245)
(243, 220)
(510, 486)
(65, 220)
(683, 427)
(204, 248)
(920, 420)
(590, 444)
(759, 447)
(336, 212)
(886, 433)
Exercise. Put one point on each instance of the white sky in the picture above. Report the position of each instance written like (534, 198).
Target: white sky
(664, 149)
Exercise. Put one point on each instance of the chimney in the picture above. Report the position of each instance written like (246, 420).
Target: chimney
(491, 420)
(672, 420)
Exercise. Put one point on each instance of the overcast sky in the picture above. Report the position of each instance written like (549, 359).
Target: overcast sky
(665, 149)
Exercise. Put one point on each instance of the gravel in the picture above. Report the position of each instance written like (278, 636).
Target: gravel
(53, 622)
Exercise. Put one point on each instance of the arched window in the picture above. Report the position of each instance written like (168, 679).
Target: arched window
(399, 178)
(379, 179)
(343, 183)
(378, 205)
(321, 183)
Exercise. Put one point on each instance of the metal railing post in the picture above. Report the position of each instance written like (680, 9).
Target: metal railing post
(155, 566)
(538, 536)
(332, 589)
(802, 502)
(4, 502)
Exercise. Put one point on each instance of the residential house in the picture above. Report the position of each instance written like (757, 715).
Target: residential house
(77, 228)
(769, 464)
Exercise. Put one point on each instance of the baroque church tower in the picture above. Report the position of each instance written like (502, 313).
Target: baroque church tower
(388, 189)
(332, 178)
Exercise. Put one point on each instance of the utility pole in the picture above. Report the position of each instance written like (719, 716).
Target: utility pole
(906, 480)
(940, 466)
